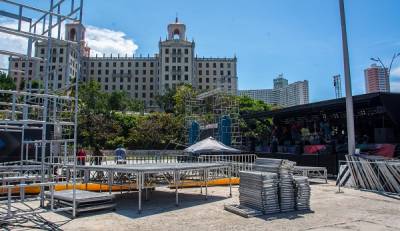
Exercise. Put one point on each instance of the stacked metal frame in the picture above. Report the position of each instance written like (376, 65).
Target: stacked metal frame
(52, 113)
(374, 174)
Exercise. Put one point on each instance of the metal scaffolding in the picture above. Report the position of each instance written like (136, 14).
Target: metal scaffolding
(53, 114)
(207, 109)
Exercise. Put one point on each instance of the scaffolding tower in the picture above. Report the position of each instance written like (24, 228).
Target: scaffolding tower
(207, 109)
(337, 84)
(53, 114)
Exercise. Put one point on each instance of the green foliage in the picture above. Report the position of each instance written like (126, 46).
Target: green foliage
(6, 83)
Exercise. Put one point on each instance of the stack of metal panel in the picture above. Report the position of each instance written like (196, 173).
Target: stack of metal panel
(302, 193)
(287, 201)
(267, 165)
(259, 190)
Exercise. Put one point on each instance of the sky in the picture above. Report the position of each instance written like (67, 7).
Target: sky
(299, 38)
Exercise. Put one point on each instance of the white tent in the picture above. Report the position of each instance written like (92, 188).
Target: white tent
(210, 145)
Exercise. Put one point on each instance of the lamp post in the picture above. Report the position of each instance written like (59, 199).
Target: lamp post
(347, 82)
(387, 73)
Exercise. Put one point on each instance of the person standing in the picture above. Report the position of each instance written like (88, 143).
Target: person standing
(81, 156)
(98, 155)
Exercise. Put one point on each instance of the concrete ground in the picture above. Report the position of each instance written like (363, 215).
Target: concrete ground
(351, 210)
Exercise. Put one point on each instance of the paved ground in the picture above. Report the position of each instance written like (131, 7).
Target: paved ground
(351, 210)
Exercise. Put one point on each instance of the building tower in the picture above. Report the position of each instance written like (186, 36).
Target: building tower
(376, 79)
(280, 82)
(337, 83)
(176, 58)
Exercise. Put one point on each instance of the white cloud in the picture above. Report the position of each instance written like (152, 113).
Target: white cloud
(395, 71)
(100, 40)
(105, 41)
(395, 86)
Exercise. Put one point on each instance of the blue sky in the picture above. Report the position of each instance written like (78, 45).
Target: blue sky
(299, 38)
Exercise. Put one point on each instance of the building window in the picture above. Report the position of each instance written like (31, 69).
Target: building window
(167, 59)
(114, 79)
(229, 65)
(214, 72)
(144, 64)
(143, 79)
(106, 79)
(42, 51)
(106, 87)
(221, 72)
(151, 79)
(144, 87)
(144, 72)
(107, 72)
(207, 72)
(207, 65)
(92, 72)
(166, 77)
(121, 72)
(200, 80)
(121, 79)
(99, 64)
(173, 77)
(173, 59)
(144, 95)
(221, 65)
(136, 79)
(186, 77)
(186, 68)
(113, 87)
(166, 51)
(152, 64)
(92, 64)
(99, 72)
(98, 79)
(114, 71)
(121, 64)
(129, 71)
(136, 72)
(166, 68)
(179, 60)
(186, 51)
(214, 65)
(151, 87)
(151, 72)
(207, 80)
(229, 73)
(129, 87)
(186, 59)
(200, 65)
(129, 64)
(200, 72)
(107, 64)
(114, 64)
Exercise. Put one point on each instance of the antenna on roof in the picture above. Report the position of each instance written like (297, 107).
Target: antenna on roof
(176, 17)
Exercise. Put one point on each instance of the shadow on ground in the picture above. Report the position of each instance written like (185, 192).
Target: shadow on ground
(158, 202)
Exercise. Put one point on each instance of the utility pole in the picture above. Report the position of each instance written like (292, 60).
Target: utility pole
(347, 82)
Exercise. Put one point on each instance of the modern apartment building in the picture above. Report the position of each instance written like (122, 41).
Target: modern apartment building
(141, 77)
(376, 79)
(283, 94)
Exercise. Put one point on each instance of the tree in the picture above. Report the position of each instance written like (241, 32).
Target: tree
(182, 94)
(256, 131)
(6, 83)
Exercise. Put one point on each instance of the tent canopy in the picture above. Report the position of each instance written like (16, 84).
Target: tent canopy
(210, 145)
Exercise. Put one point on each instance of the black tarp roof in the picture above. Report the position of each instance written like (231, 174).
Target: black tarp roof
(388, 103)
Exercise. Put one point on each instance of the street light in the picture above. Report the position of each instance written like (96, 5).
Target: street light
(387, 73)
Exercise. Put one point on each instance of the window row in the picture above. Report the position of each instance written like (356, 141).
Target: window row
(176, 51)
(177, 60)
(121, 64)
(207, 80)
(176, 77)
(214, 65)
(121, 80)
(221, 72)
(114, 72)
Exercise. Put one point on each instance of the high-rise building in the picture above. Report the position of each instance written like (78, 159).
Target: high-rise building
(283, 94)
(337, 84)
(376, 79)
(141, 77)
